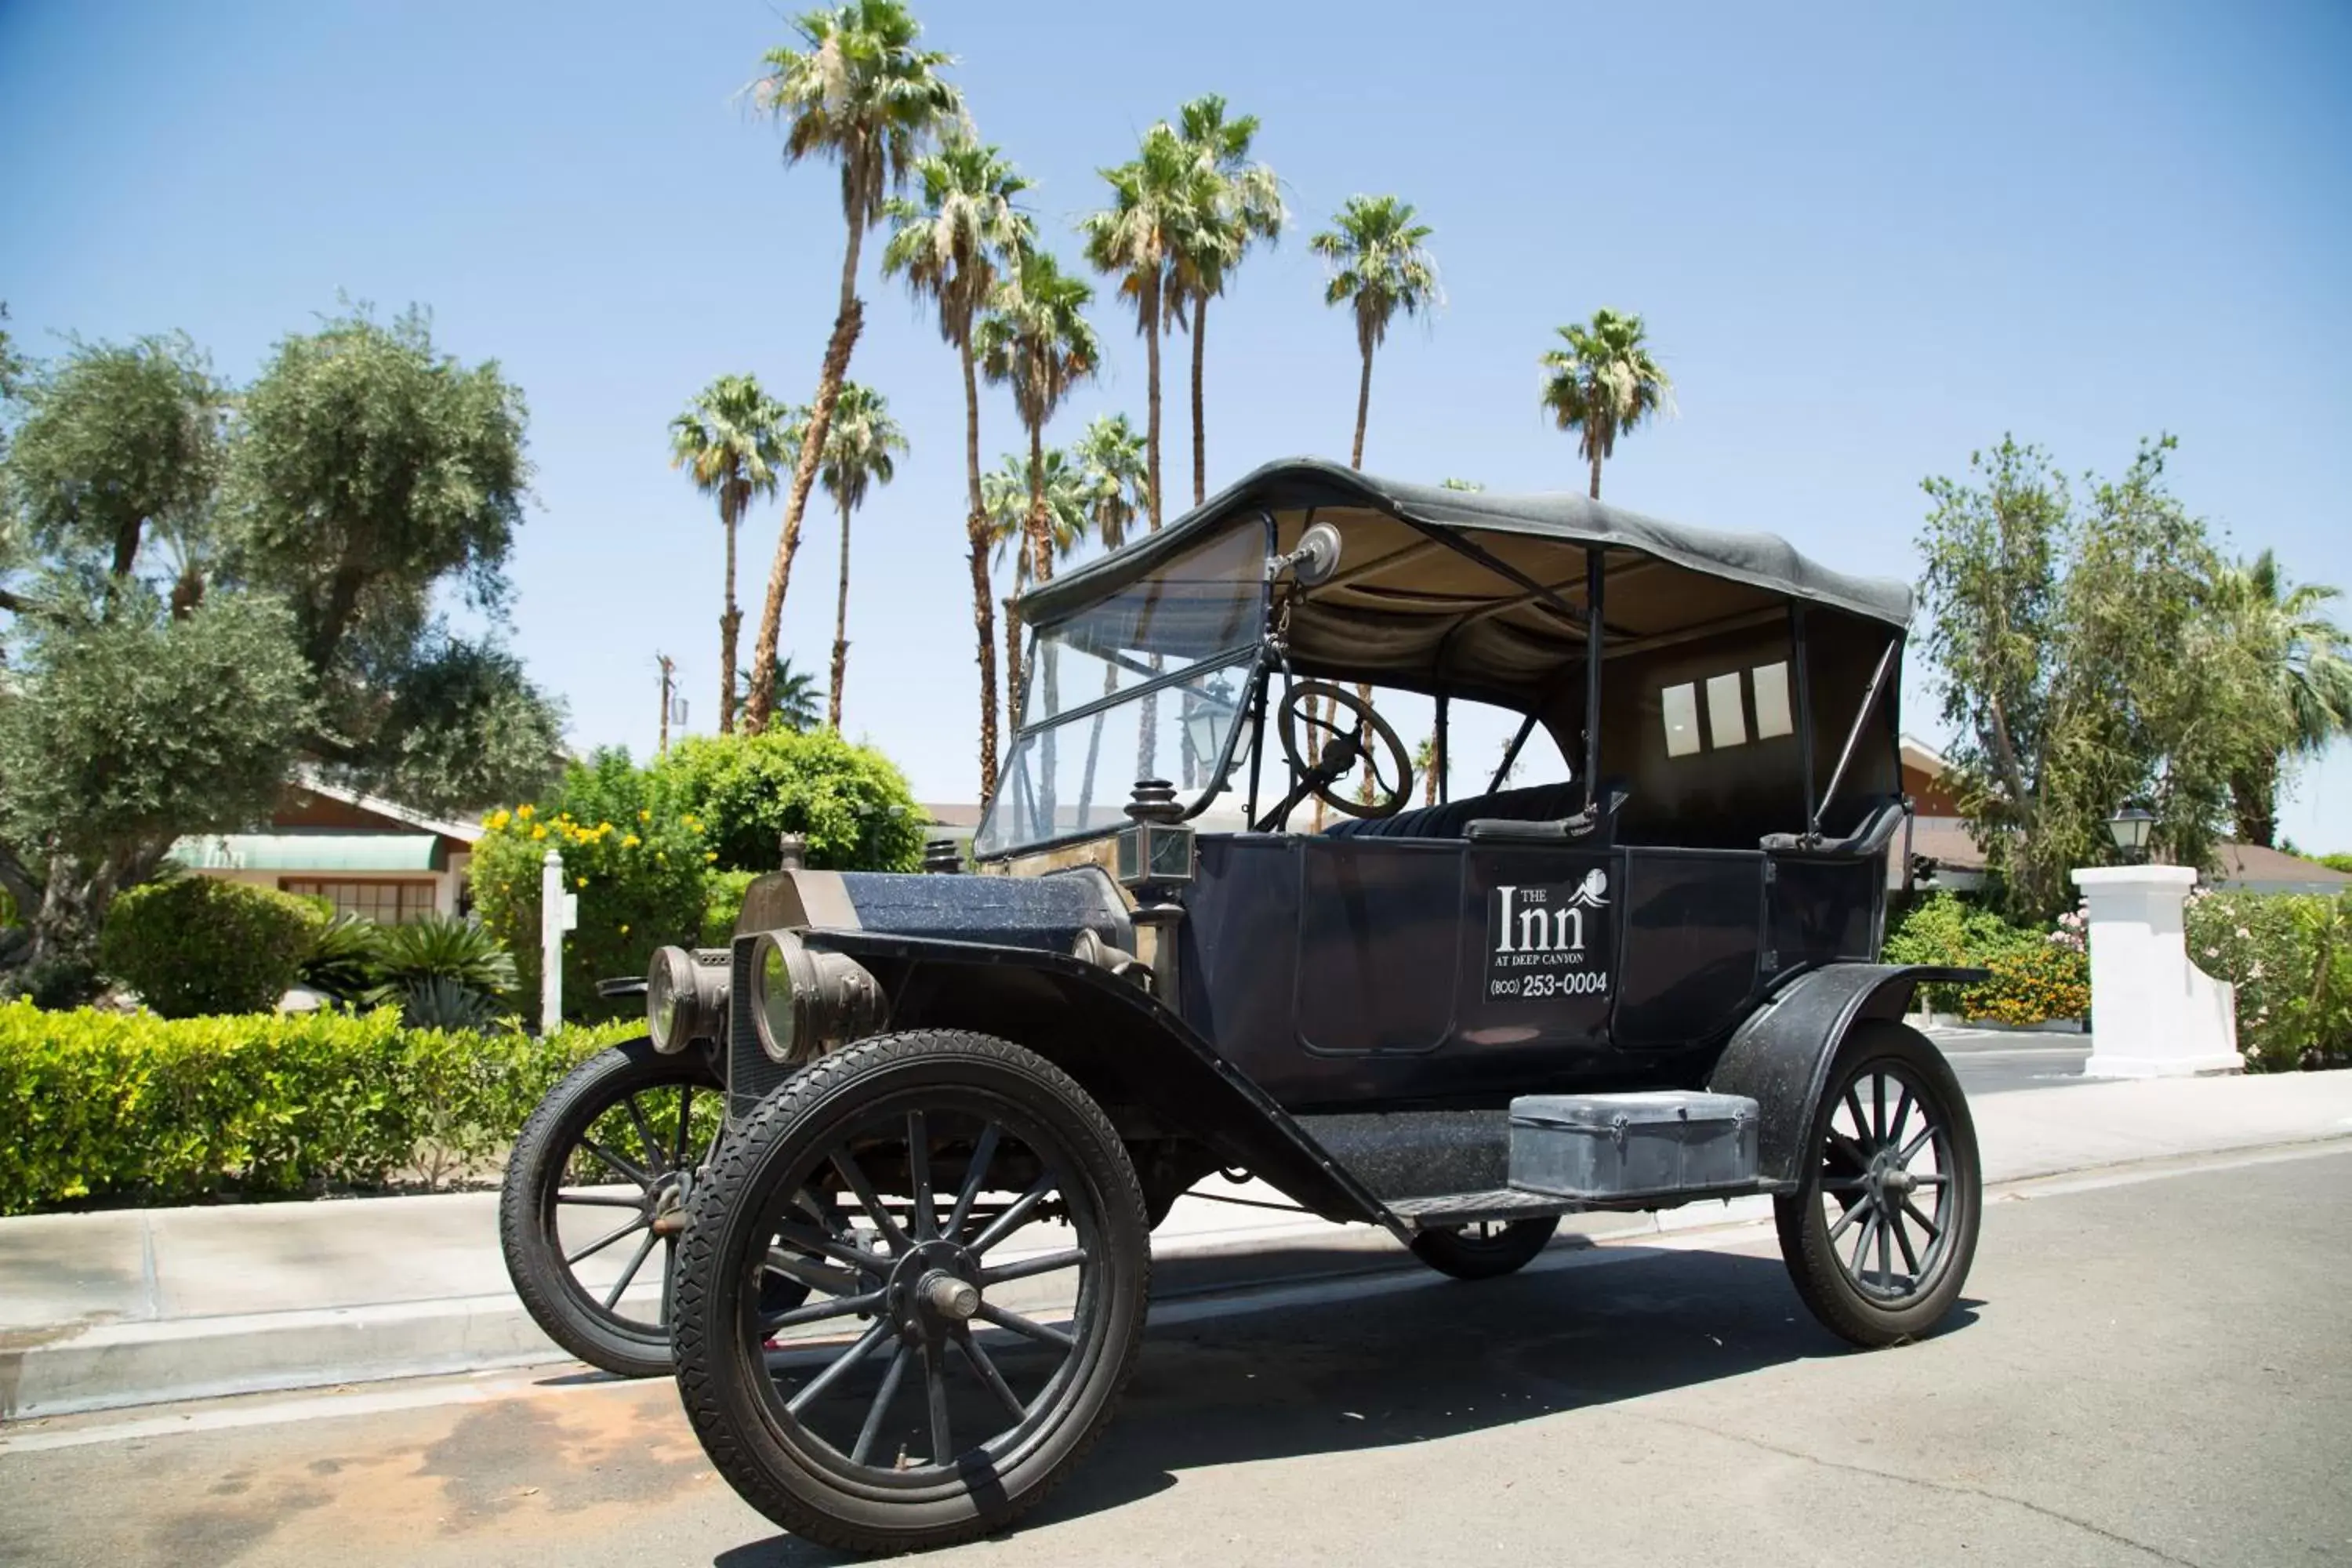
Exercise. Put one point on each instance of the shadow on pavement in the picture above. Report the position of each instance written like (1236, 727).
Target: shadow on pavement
(1413, 1365)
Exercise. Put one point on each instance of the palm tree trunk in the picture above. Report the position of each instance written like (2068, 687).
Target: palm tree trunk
(1151, 379)
(840, 629)
(1013, 670)
(1363, 406)
(730, 619)
(1041, 545)
(984, 605)
(1200, 425)
(2253, 797)
(1596, 473)
(835, 370)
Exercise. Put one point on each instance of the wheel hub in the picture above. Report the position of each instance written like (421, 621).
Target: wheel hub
(934, 1289)
(667, 1203)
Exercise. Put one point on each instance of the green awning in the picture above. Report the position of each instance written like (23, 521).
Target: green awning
(310, 852)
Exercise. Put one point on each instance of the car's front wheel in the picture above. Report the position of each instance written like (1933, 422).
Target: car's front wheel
(1880, 1234)
(973, 1237)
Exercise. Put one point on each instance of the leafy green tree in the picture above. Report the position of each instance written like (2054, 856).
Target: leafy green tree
(1245, 206)
(2306, 659)
(1157, 197)
(118, 443)
(2080, 668)
(1604, 384)
(861, 451)
(371, 474)
(730, 441)
(860, 93)
(1380, 264)
(1469, 486)
(743, 792)
(951, 245)
(795, 696)
(1008, 495)
(122, 727)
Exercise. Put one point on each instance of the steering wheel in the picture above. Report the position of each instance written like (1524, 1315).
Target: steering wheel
(1340, 747)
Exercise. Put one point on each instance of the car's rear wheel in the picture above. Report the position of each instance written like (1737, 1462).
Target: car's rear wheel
(982, 1275)
(1880, 1235)
(1484, 1249)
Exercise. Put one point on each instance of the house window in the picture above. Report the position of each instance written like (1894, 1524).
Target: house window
(386, 903)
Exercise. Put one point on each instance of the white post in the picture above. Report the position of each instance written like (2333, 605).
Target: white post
(555, 905)
(2153, 1013)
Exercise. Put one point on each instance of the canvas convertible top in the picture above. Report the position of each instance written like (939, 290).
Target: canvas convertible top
(1345, 498)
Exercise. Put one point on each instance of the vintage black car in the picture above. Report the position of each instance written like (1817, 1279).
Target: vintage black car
(905, 1285)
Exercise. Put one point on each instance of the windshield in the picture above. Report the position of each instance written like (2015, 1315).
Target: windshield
(1148, 683)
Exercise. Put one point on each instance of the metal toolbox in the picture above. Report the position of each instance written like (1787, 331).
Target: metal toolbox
(1608, 1147)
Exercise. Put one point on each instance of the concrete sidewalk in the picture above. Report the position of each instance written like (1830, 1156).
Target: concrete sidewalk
(131, 1306)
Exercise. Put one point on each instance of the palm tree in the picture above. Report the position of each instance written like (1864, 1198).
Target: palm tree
(1009, 496)
(794, 692)
(1157, 198)
(729, 439)
(1245, 206)
(1604, 384)
(861, 450)
(860, 93)
(1114, 473)
(1471, 486)
(1036, 339)
(2306, 659)
(1117, 490)
(951, 245)
(1380, 264)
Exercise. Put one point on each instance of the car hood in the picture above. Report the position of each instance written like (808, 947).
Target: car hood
(1046, 912)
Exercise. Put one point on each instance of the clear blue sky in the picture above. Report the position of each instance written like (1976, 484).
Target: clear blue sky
(1866, 242)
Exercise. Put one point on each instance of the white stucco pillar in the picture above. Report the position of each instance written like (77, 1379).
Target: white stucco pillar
(2153, 1013)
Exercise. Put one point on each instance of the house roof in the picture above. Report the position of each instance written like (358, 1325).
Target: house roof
(310, 851)
(311, 779)
(2253, 867)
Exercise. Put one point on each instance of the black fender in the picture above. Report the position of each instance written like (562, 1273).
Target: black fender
(1141, 1062)
(1780, 1057)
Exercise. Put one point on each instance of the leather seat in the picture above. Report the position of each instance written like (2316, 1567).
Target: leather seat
(1536, 803)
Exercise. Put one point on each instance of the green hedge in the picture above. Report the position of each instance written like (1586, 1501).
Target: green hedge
(2030, 970)
(195, 945)
(2290, 956)
(128, 1106)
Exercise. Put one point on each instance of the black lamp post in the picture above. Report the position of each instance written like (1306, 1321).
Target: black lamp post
(2129, 828)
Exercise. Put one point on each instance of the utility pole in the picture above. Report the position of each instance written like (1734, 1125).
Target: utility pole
(669, 674)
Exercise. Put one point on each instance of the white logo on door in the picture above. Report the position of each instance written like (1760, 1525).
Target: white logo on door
(1530, 920)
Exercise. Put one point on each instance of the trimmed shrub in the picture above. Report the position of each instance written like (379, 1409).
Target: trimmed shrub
(195, 945)
(635, 864)
(851, 802)
(2032, 982)
(162, 1111)
(2290, 957)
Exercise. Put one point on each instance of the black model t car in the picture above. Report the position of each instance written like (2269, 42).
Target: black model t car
(910, 1278)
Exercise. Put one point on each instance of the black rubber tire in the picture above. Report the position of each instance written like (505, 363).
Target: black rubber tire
(718, 1379)
(1804, 1226)
(535, 1170)
(1465, 1257)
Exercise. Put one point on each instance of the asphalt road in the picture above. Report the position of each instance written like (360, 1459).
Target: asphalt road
(2148, 1368)
(1995, 1061)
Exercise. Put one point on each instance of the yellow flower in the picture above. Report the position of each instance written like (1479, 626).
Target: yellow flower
(644, 817)
(631, 841)
(603, 828)
(498, 820)
(712, 855)
(624, 930)
(523, 811)
(539, 833)
(584, 881)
